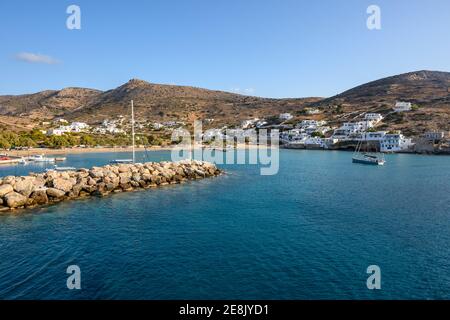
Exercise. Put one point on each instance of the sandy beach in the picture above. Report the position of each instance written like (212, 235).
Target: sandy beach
(47, 151)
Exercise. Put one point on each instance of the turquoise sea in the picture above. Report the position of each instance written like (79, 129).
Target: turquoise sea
(309, 232)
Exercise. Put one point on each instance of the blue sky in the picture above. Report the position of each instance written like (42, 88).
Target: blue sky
(284, 48)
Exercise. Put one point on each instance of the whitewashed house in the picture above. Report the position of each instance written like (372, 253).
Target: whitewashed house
(434, 135)
(372, 136)
(56, 132)
(395, 142)
(78, 127)
(157, 126)
(246, 124)
(315, 142)
(312, 111)
(403, 106)
(286, 116)
(376, 117)
(311, 123)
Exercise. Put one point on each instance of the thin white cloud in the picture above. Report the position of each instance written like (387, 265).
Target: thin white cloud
(35, 58)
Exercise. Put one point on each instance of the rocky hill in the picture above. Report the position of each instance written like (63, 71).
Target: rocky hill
(429, 90)
(153, 102)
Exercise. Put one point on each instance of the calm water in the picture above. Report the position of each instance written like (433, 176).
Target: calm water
(309, 232)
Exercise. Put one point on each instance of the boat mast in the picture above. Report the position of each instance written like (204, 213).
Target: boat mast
(132, 129)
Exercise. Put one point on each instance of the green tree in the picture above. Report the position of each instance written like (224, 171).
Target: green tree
(58, 142)
(4, 143)
(87, 140)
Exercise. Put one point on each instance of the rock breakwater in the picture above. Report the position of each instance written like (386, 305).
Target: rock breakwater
(51, 187)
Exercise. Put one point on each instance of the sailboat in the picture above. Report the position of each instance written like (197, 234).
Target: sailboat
(128, 161)
(376, 159)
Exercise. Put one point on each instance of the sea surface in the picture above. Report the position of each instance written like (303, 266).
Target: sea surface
(309, 232)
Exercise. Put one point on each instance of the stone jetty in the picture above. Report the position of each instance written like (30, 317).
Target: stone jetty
(53, 186)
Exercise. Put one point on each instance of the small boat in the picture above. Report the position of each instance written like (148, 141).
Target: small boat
(369, 159)
(56, 168)
(376, 159)
(8, 160)
(60, 159)
(40, 158)
(23, 161)
(122, 161)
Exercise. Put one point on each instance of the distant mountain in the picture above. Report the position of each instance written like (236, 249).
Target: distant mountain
(421, 87)
(429, 90)
(153, 102)
(51, 102)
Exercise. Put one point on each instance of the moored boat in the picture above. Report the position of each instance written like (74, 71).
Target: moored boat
(122, 161)
(40, 158)
(56, 168)
(369, 159)
(9, 160)
(376, 159)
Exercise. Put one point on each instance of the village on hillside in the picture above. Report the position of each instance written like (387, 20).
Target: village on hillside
(310, 133)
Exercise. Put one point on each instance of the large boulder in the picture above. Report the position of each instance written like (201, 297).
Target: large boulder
(9, 180)
(96, 173)
(55, 193)
(15, 200)
(124, 168)
(25, 186)
(91, 182)
(5, 189)
(40, 196)
(63, 184)
(125, 177)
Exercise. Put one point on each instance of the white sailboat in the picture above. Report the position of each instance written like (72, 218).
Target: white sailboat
(127, 161)
(369, 158)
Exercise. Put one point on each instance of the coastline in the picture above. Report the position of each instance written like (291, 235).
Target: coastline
(66, 151)
(48, 151)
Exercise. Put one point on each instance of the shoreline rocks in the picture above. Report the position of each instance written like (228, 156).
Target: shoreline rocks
(52, 187)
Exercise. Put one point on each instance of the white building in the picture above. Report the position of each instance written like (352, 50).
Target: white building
(293, 136)
(434, 136)
(315, 142)
(157, 126)
(312, 111)
(60, 121)
(246, 124)
(286, 116)
(395, 142)
(356, 127)
(56, 132)
(372, 136)
(311, 123)
(376, 117)
(402, 106)
(78, 127)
